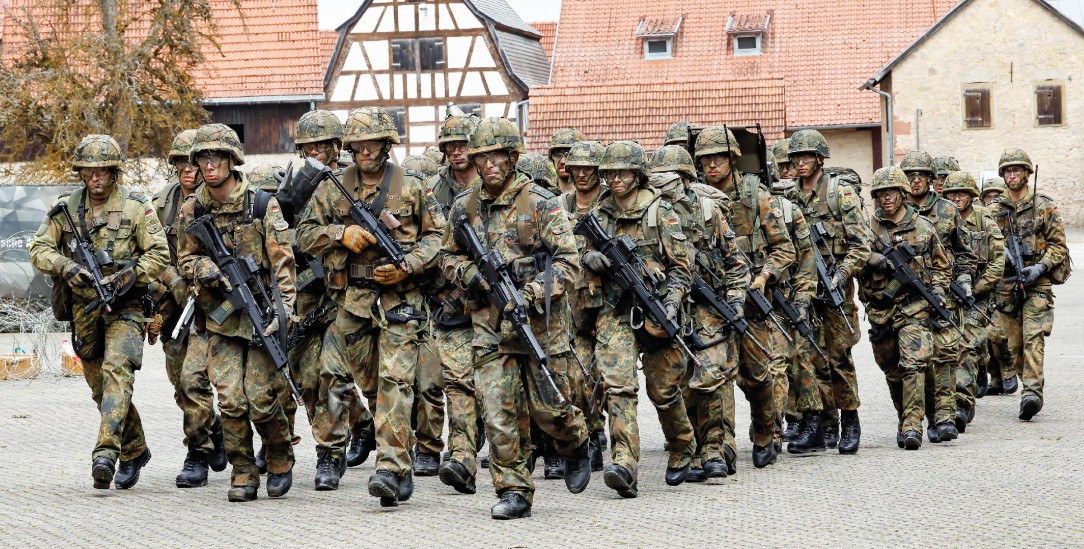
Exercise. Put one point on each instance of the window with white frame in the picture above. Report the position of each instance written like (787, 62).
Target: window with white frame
(747, 44)
(658, 48)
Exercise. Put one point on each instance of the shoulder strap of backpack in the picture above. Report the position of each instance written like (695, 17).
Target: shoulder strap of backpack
(525, 222)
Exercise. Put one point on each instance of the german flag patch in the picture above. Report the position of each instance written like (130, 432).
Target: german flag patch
(555, 210)
(675, 221)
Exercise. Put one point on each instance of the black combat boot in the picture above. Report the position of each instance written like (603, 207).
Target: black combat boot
(577, 468)
(241, 493)
(217, 460)
(851, 432)
(731, 461)
(279, 483)
(947, 431)
(511, 506)
(1010, 385)
(384, 485)
(794, 426)
(697, 474)
(194, 472)
(620, 479)
(900, 438)
(359, 449)
(931, 434)
(600, 437)
(676, 475)
(554, 465)
(811, 438)
(261, 460)
(128, 472)
(763, 456)
(982, 383)
(594, 453)
(454, 474)
(425, 464)
(831, 429)
(960, 419)
(406, 486)
(995, 387)
(327, 471)
(713, 468)
(101, 470)
(912, 440)
(484, 463)
(1029, 406)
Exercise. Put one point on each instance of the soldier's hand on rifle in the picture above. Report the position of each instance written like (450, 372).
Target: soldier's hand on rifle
(965, 284)
(839, 279)
(759, 283)
(939, 293)
(208, 274)
(739, 309)
(390, 275)
(879, 262)
(803, 310)
(472, 279)
(356, 238)
(1032, 273)
(272, 327)
(120, 280)
(154, 329)
(534, 296)
(76, 276)
(596, 261)
(156, 290)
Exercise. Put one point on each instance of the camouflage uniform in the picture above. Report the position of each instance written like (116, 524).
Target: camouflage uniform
(703, 222)
(762, 238)
(941, 379)
(110, 344)
(511, 386)
(838, 208)
(421, 164)
(899, 320)
(562, 141)
(364, 343)
(1027, 315)
(989, 247)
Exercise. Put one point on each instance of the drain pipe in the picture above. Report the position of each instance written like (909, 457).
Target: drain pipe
(890, 116)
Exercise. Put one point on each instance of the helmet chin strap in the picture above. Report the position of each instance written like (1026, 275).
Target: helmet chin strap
(381, 161)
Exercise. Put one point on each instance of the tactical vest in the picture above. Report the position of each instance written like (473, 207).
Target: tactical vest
(746, 222)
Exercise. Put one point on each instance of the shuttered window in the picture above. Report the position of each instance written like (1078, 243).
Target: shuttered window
(399, 115)
(431, 53)
(1049, 105)
(977, 108)
(425, 54)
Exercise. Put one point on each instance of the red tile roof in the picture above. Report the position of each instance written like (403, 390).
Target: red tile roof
(328, 38)
(644, 111)
(549, 36)
(272, 51)
(822, 51)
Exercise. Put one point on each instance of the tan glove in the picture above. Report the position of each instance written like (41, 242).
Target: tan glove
(759, 282)
(154, 329)
(76, 276)
(356, 239)
(390, 275)
(120, 279)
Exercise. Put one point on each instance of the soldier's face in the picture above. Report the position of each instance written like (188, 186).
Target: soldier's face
(558, 158)
(961, 199)
(920, 183)
(369, 155)
(186, 174)
(215, 168)
(989, 196)
(585, 178)
(716, 167)
(787, 170)
(1015, 176)
(622, 182)
(456, 151)
(806, 164)
(99, 182)
(495, 167)
(939, 183)
(889, 201)
(323, 152)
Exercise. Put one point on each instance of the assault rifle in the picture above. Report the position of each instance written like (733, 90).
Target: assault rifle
(967, 301)
(629, 271)
(827, 292)
(802, 325)
(361, 214)
(309, 323)
(505, 296)
(900, 257)
(703, 292)
(248, 293)
(760, 302)
(92, 261)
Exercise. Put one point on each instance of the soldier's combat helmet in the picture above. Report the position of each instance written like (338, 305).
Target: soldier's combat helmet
(456, 128)
(565, 138)
(624, 155)
(263, 176)
(370, 124)
(781, 150)
(673, 158)
(889, 177)
(539, 169)
(678, 134)
(1014, 157)
(917, 161)
(495, 134)
(182, 146)
(960, 181)
(434, 154)
(994, 184)
(97, 151)
(420, 163)
(716, 140)
(586, 154)
(217, 137)
(808, 141)
(943, 165)
(316, 126)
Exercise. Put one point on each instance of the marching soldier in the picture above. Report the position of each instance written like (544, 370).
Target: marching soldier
(763, 241)
(834, 207)
(245, 379)
(1025, 303)
(191, 389)
(942, 167)
(991, 189)
(703, 222)
(382, 330)
(899, 319)
(989, 247)
(122, 228)
(559, 146)
(941, 378)
(525, 226)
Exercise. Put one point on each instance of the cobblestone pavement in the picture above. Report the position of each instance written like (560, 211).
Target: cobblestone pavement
(1003, 483)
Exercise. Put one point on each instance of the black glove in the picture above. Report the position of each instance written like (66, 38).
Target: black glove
(596, 261)
(879, 262)
(1032, 273)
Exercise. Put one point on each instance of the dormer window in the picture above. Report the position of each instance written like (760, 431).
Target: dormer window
(746, 33)
(658, 37)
